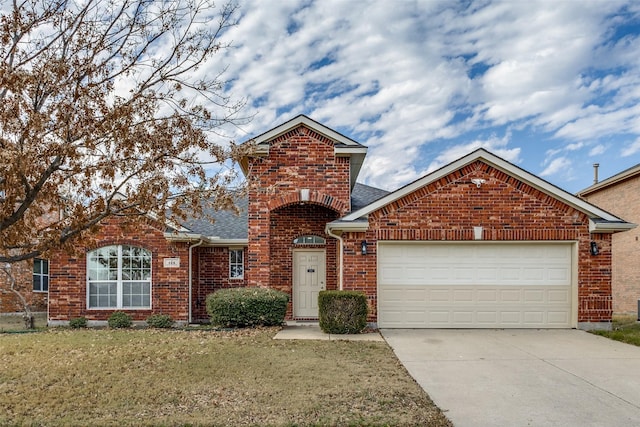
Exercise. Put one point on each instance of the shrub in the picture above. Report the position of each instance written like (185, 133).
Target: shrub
(162, 321)
(342, 312)
(119, 319)
(242, 307)
(78, 322)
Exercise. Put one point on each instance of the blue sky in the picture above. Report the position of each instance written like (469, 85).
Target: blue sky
(552, 86)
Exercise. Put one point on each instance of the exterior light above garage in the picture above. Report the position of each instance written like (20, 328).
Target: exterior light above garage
(594, 248)
(363, 247)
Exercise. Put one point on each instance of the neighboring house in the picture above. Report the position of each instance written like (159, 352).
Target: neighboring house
(620, 195)
(479, 243)
(32, 281)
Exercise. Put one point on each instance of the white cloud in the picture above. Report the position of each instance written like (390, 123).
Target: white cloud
(418, 80)
(497, 146)
(557, 165)
(631, 149)
(597, 150)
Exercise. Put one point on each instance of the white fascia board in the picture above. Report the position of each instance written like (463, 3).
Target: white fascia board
(610, 227)
(215, 241)
(352, 226)
(510, 169)
(311, 124)
(183, 237)
(207, 240)
(348, 151)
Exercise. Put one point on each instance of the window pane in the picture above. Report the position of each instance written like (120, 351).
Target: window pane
(109, 268)
(45, 283)
(37, 266)
(102, 295)
(36, 283)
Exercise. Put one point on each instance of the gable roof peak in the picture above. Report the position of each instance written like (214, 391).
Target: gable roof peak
(604, 221)
(343, 145)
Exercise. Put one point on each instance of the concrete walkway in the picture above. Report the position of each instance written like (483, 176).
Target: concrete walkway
(313, 332)
(523, 377)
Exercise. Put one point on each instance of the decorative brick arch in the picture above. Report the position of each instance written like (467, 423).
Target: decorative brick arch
(315, 198)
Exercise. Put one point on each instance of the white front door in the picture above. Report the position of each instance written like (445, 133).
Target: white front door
(309, 278)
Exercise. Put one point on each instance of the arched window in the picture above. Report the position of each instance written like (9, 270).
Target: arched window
(309, 240)
(119, 276)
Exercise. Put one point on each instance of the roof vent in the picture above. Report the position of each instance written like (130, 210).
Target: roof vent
(595, 173)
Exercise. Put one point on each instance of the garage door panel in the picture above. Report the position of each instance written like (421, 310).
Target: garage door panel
(475, 285)
(485, 295)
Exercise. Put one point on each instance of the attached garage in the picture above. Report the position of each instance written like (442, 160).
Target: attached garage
(476, 285)
(480, 243)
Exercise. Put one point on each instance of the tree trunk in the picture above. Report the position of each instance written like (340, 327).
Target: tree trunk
(27, 315)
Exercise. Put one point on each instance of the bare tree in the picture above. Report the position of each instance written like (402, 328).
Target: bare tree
(106, 108)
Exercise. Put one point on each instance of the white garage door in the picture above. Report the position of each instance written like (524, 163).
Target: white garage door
(475, 285)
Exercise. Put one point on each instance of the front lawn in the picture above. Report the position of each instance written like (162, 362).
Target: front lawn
(625, 329)
(153, 377)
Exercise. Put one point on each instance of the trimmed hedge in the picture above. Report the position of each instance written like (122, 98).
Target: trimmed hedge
(160, 321)
(247, 307)
(78, 322)
(342, 312)
(119, 319)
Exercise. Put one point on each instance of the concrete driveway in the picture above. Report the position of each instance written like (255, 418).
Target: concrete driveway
(523, 377)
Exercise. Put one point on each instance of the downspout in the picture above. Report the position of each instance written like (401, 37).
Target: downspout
(191, 277)
(340, 248)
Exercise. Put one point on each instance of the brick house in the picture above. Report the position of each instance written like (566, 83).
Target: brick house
(477, 243)
(620, 195)
(32, 281)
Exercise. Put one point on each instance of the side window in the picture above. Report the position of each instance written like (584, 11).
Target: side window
(119, 276)
(236, 263)
(40, 275)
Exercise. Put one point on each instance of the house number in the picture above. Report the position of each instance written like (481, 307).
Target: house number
(311, 270)
(171, 262)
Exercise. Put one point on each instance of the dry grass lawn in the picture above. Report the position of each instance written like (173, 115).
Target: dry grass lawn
(152, 377)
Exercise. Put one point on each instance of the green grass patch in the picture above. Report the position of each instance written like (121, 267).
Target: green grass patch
(625, 329)
(214, 378)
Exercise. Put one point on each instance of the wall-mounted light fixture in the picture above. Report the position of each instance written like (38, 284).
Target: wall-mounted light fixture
(594, 248)
(478, 182)
(363, 247)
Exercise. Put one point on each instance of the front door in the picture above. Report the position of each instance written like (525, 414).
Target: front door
(309, 278)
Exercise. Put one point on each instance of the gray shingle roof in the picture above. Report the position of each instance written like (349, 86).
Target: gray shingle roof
(226, 224)
(363, 195)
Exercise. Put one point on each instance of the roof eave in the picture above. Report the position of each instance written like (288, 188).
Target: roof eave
(624, 175)
(610, 227)
(206, 240)
(348, 226)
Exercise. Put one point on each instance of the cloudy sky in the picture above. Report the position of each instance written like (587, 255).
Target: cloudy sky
(552, 86)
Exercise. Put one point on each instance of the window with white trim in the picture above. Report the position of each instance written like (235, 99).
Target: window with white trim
(119, 276)
(40, 275)
(236, 263)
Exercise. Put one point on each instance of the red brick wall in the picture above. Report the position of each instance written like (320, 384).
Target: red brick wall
(623, 200)
(23, 273)
(507, 209)
(211, 272)
(169, 288)
(298, 159)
